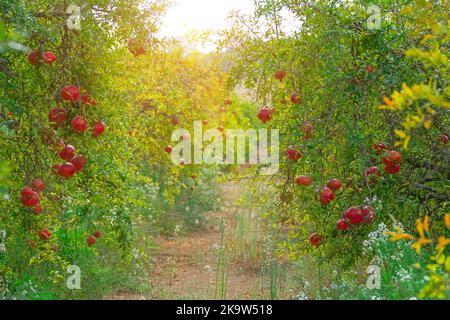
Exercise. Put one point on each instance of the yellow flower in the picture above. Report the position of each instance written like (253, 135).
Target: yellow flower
(388, 102)
(442, 243)
(419, 243)
(447, 220)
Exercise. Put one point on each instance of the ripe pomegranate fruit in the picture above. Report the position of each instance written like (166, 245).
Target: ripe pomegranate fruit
(295, 98)
(227, 102)
(79, 162)
(30, 198)
(26, 192)
(44, 234)
(326, 196)
(67, 152)
(353, 215)
(221, 129)
(37, 185)
(264, 114)
(48, 57)
(341, 224)
(369, 214)
(443, 139)
(90, 241)
(303, 181)
(98, 234)
(87, 100)
(168, 149)
(392, 169)
(33, 57)
(334, 184)
(205, 122)
(293, 153)
(369, 68)
(79, 124)
(136, 47)
(37, 209)
(174, 120)
(280, 75)
(66, 170)
(70, 93)
(98, 128)
(315, 239)
(372, 170)
(379, 147)
(394, 156)
(57, 117)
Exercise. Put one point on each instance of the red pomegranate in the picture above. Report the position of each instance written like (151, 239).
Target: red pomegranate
(91, 241)
(315, 239)
(296, 98)
(37, 209)
(87, 100)
(67, 152)
(334, 184)
(37, 185)
(44, 234)
(33, 57)
(79, 124)
(280, 75)
(70, 93)
(341, 224)
(293, 153)
(79, 162)
(326, 196)
(48, 57)
(67, 170)
(30, 198)
(168, 149)
(57, 117)
(303, 181)
(98, 128)
(264, 114)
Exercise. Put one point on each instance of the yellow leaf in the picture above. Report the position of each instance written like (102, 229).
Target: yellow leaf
(400, 134)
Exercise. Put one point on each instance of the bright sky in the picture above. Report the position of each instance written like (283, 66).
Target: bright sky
(188, 15)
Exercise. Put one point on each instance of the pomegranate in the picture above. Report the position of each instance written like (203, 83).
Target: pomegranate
(37, 185)
(98, 128)
(326, 196)
(44, 234)
(67, 170)
(70, 93)
(79, 162)
(168, 149)
(67, 152)
(293, 153)
(57, 117)
(334, 184)
(315, 239)
(303, 181)
(79, 124)
(90, 241)
(87, 100)
(296, 98)
(280, 75)
(33, 57)
(264, 114)
(48, 57)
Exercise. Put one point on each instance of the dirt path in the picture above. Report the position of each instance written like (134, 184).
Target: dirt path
(226, 260)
